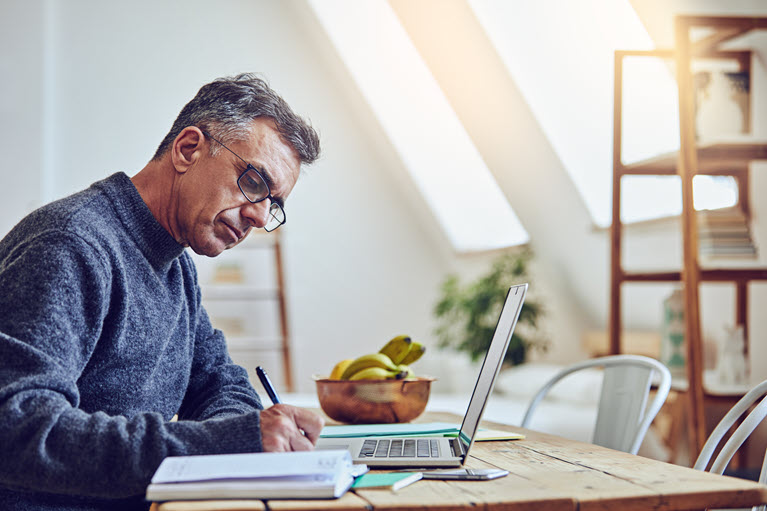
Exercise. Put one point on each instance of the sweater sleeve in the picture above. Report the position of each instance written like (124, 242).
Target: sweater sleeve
(50, 444)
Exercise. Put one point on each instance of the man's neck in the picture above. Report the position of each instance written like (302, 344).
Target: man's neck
(155, 185)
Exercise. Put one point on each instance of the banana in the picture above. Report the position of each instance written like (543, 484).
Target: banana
(409, 373)
(397, 348)
(416, 350)
(371, 360)
(339, 369)
(376, 373)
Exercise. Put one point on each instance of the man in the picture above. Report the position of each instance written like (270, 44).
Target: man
(102, 335)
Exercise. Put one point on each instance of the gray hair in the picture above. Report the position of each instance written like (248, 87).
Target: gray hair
(227, 107)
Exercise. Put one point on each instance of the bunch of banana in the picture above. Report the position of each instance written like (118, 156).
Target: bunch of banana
(339, 368)
(391, 362)
(372, 366)
(403, 350)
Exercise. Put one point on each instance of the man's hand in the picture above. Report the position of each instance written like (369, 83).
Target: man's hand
(289, 428)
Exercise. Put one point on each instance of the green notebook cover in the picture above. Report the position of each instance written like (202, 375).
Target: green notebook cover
(357, 430)
(387, 480)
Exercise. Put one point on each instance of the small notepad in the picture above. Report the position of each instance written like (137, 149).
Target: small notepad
(488, 435)
(390, 480)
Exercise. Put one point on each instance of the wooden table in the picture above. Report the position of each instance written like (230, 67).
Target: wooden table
(546, 472)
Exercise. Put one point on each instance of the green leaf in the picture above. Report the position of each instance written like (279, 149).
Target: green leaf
(467, 314)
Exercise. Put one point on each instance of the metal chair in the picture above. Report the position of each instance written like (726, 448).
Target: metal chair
(623, 416)
(749, 424)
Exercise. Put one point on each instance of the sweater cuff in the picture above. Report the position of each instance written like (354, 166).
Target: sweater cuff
(239, 434)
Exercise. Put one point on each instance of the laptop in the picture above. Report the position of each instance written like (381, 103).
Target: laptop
(409, 451)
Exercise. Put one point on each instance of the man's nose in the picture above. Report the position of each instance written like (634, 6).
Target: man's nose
(257, 213)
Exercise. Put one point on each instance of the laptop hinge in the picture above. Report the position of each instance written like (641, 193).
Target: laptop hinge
(457, 447)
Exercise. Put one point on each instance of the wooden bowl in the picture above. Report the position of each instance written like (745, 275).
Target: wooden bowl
(373, 401)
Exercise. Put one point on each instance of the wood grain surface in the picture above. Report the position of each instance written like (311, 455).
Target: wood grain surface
(545, 472)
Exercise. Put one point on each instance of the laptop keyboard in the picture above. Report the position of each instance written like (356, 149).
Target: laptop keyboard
(400, 448)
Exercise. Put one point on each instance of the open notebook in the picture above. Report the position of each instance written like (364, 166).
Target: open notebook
(409, 451)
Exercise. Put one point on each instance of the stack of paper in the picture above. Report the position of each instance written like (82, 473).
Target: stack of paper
(284, 475)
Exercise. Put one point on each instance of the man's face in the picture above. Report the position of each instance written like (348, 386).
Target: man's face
(212, 213)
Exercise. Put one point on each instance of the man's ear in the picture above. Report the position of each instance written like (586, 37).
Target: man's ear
(187, 148)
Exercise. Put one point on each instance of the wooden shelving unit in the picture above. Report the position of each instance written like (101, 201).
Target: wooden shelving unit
(243, 292)
(729, 159)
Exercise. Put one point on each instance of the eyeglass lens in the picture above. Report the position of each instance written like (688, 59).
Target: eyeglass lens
(276, 217)
(253, 186)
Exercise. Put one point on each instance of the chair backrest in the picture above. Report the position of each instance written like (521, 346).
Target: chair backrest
(752, 420)
(623, 416)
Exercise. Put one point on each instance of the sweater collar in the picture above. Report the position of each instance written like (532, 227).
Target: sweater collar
(157, 245)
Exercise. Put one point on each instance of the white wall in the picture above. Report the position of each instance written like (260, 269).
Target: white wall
(21, 130)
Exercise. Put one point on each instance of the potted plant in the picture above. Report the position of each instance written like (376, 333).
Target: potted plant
(467, 314)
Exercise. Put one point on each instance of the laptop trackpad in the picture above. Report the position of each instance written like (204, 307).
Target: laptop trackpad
(332, 443)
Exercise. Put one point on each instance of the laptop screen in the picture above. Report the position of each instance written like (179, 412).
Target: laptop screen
(492, 364)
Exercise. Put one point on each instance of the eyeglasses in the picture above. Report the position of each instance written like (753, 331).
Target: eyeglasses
(254, 187)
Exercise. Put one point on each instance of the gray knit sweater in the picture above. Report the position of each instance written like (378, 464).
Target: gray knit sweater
(102, 340)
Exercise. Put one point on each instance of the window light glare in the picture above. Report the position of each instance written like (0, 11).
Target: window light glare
(568, 84)
(652, 197)
(445, 165)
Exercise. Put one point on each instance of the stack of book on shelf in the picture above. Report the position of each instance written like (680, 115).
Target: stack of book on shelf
(724, 233)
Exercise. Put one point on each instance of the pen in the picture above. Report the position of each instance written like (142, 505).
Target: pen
(267, 383)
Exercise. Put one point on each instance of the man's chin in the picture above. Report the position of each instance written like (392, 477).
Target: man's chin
(210, 250)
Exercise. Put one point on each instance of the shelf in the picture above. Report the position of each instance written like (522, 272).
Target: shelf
(256, 343)
(719, 158)
(708, 275)
(658, 276)
(237, 292)
(712, 387)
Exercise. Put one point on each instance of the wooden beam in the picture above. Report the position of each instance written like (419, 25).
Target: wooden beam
(744, 200)
(746, 22)
(615, 229)
(688, 163)
(709, 43)
(284, 330)
(741, 309)
(711, 275)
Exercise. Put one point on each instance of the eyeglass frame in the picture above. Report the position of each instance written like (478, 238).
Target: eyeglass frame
(248, 168)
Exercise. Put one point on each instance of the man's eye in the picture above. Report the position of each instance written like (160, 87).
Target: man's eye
(253, 183)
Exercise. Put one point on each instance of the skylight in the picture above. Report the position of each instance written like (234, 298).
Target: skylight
(445, 165)
(568, 82)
